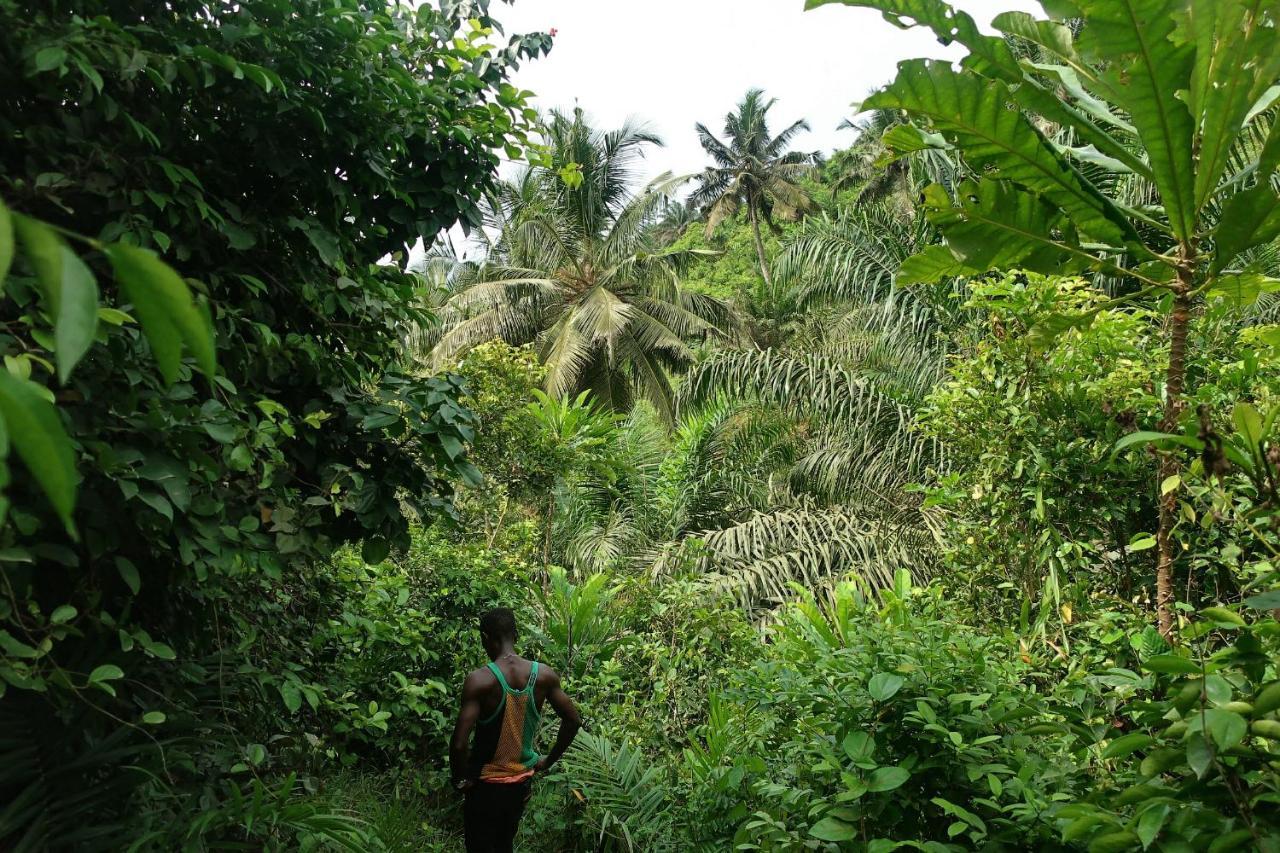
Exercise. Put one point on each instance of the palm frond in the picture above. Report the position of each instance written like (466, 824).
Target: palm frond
(624, 792)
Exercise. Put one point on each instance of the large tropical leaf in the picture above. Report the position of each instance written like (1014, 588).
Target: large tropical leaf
(973, 114)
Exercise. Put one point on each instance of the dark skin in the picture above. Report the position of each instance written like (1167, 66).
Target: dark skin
(481, 694)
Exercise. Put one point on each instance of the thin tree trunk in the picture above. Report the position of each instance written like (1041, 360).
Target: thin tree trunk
(1170, 465)
(755, 229)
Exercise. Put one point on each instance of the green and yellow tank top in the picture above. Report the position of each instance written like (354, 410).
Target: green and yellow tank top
(503, 749)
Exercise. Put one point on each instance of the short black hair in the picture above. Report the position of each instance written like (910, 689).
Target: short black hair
(499, 623)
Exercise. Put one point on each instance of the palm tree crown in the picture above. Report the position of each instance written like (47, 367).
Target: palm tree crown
(574, 270)
(753, 169)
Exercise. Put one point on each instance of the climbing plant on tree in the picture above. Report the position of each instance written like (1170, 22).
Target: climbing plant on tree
(273, 153)
(1143, 149)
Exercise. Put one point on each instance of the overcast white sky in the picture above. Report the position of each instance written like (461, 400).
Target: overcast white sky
(677, 62)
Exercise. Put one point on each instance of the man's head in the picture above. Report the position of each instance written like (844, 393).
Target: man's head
(497, 630)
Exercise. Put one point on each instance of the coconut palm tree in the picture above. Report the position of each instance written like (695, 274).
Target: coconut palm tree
(755, 170)
(574, 269)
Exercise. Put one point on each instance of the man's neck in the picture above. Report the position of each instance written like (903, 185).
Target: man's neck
(507, 651)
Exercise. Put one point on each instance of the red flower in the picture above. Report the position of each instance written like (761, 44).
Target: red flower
(553, 32)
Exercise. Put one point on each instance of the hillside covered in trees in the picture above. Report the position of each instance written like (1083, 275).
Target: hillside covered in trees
(920, 495)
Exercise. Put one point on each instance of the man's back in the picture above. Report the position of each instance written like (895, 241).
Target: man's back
(515, 671)
(502, 705)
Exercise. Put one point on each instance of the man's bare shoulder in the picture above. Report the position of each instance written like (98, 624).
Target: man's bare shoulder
(547, 675)
(479, 679)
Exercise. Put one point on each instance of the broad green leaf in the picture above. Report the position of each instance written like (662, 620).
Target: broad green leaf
(36, 432)
(1149, 437)
(158, 502)
(1150, 822)
(1113, 842)
(1250, 218)
(63, 614)
(1267, 700)
(164, 306)
(49, 58)
(1127, 745)
(129, 574)
(69, 289)
(375, 550)
(1240, 839)
(859, 746)
(996, 226)
(6, 243)
(883, 685)
(973, 115)
(833, 829)
(1199, 754)
(1171, 664)
(43, 250)
(960, 812)
(221, 433)
(106, 672)
(1243, 289)
(153, 718)
(1227, 727)
(933, 264)
(1237, 58)
(907, 138)
(76, 321)
(1145, 71)
(1141, 542)
(991, 57)
(1223, 617)
(887, 779)
(291, 695)
(1264, 600)
(1248, 423)
(16, 648)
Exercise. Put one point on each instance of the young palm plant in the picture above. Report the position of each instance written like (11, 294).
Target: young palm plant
(574, 269)
(753, 169)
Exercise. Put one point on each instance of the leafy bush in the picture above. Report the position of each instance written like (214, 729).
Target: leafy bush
(274, 156)
(1039, 505)
(885, 726)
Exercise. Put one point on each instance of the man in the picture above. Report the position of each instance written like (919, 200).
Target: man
(503, 703)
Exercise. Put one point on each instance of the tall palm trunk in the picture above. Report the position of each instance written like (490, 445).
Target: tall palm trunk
(1175, 379)
(755, 229)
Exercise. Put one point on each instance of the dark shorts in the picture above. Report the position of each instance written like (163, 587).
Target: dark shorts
(491, 815)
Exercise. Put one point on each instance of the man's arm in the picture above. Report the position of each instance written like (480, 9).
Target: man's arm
(570, 722)
(472, 691)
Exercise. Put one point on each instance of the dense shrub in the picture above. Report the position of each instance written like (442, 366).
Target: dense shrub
(879, 725)
(1040, 509)
(274, 154)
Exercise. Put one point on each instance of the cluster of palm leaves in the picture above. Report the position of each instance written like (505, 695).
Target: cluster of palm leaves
(758, 467)
(572, 267)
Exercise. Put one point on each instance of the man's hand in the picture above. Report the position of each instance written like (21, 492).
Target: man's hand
(541, 765)
(463, 785)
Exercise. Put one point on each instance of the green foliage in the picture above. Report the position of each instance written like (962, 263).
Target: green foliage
(1038, 505)
(1196, 766)
(274, 171)
(869, 576)
(887, 726)
(733, 272)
